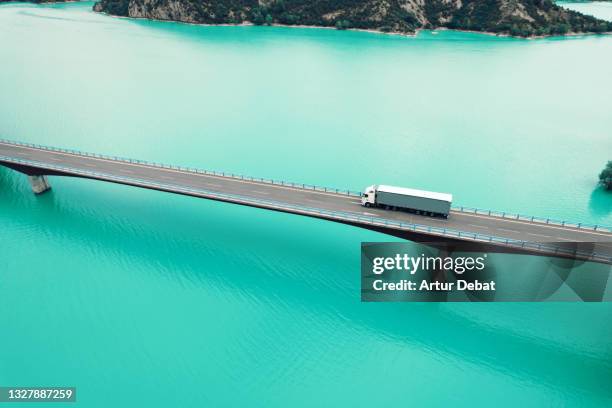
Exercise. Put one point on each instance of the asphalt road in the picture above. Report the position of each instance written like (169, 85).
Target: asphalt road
(471, 223)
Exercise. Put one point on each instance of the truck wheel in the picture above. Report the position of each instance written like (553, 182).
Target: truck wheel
(367, 205)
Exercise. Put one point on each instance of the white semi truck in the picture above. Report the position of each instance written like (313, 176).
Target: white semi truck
(408, 199)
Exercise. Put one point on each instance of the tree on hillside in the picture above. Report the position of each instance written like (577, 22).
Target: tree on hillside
(343, 24)
(605, 177)
(257, 16)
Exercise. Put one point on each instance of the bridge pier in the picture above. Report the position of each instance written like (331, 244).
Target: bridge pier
(39, 184)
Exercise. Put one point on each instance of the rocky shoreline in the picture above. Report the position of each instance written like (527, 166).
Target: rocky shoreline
(516, 18)
(509, 18)
(401, 34)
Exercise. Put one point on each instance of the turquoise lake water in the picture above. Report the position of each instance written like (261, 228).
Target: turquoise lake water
(140, 298)
(599, 9)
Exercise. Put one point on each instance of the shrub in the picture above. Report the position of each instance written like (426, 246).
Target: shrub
(605, 177)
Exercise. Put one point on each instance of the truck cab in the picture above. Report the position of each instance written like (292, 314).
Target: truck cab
(368, 198)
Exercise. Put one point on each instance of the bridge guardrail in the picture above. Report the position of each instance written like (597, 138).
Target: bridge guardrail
(330, 214)
(533, 219)
(188, 169)
(464, 209)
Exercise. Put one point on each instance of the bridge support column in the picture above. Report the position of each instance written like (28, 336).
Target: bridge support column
(39, 184)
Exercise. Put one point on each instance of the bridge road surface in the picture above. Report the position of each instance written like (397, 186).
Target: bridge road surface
(471, 223)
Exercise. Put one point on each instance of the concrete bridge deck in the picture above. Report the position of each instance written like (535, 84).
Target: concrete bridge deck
(521, 235)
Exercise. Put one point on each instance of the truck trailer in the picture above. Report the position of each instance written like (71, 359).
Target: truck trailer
(407, 199)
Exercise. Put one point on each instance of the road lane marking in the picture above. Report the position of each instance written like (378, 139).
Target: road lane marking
(259, 192)
(508, 230)
(539, 235)
(478, 226)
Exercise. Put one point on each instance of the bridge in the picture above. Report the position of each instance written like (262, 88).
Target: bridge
(490, 230)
